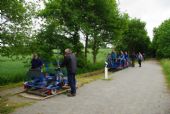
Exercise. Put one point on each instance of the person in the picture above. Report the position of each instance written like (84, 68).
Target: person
(122, 58)
(70, 62)
(36, 62)
(34, 72)
(113, 55)
(140, 58)
(126, 58)
(133, 57)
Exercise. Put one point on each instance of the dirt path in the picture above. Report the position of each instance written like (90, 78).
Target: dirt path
(131, 91)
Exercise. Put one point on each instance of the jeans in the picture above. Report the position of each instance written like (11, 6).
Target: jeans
(72, 82)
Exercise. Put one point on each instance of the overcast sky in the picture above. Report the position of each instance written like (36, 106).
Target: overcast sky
(153, 12)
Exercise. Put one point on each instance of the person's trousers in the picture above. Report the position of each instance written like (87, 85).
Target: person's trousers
(139, 61)
(72, 82)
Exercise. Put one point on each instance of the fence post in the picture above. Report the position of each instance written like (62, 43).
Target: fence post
(106, 71)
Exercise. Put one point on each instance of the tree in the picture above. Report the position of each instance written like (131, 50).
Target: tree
(135, 37)
(98, 20)
(105, 23)
(15, 26)
(161, 40)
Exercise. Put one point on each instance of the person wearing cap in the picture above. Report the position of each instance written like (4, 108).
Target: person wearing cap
(70, 62)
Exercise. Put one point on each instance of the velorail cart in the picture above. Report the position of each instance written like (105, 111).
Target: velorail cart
(45, 84)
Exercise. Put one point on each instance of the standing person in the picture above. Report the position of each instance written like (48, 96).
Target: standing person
(113, 55)
(35, 71)
(133, 57)
(140, 58)
(36, 62)
(126, 58)
(71, 64)
(122, 58)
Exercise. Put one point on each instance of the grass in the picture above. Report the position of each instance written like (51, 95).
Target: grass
(166, 69)
(101, 56)
(11, 85)
(11, 71)
(7, 107)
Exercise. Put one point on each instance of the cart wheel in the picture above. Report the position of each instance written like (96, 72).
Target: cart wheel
(53, 91)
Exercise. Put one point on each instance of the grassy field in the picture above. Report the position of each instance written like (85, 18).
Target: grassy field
(166, 69)
(11, 71)
(101, 56)
(14, 71)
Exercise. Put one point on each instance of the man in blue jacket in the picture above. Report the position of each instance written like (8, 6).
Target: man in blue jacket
(70, 62)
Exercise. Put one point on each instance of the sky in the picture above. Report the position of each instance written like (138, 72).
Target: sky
(153, 12)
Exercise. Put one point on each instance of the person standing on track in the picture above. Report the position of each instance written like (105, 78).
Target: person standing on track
(70, 62)
(140, 58)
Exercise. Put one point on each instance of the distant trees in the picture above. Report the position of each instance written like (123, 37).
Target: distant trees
(161, 40)
(135, 37)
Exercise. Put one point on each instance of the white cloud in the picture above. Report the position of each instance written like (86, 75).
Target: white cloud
(153, 12)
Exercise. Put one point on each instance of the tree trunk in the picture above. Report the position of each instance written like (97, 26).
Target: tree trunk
(94, 51)
(86, 46)
(76, 41)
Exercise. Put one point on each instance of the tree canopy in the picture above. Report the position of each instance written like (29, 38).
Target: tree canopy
(161, 40)
(135, 38)
(15, 26)
(69, 24)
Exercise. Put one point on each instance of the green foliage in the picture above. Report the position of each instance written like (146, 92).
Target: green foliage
(62, 26)
(98, 20)
(12, 10)
(15, 27)
(166, 66)
(89, 66)
(161, 41)
(135, 37)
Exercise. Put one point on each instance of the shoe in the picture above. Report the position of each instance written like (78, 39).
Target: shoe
(71, 95)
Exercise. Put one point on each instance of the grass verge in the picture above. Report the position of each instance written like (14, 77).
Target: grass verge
(166, 69)
(7, 107)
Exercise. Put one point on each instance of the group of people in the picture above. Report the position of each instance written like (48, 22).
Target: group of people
(69, 62)
(120, 59)
(137, 56)
(123, 59)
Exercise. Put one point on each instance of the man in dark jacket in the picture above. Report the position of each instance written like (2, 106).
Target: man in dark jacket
(36, 62)
(71, 64)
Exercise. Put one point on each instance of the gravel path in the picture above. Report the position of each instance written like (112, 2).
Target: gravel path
(131, 91)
